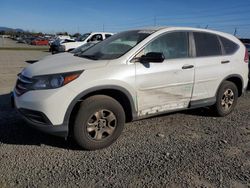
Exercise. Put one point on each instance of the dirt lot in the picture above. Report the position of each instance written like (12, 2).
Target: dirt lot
(9, 43)
(185, 149)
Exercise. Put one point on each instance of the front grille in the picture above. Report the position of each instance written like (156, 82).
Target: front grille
(23, 84)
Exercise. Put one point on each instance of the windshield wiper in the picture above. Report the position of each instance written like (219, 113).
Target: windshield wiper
(92, 57)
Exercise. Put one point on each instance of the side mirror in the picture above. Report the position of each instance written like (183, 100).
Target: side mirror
(152, 57)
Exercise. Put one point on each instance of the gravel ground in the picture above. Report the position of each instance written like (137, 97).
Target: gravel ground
(185, 149)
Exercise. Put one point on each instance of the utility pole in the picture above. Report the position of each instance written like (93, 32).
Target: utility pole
(103, 28)
(235, 31)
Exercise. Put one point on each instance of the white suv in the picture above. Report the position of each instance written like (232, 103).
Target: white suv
(87, 37)
(130, 76)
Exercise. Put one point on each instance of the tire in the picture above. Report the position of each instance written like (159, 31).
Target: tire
(99, 122)
(226, 99)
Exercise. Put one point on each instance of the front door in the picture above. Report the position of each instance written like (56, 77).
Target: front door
(168, 85)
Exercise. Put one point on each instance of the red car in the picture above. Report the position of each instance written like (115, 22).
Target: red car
(40, 42)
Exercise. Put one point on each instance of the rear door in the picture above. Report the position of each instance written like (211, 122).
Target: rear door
(212, 65)
(168, 85)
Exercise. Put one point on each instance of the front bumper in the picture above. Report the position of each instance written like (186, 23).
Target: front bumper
(44, 110)
(40, 122)
(57, 130)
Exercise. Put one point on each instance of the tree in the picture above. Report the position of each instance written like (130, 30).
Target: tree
(62, 33)
(76, 35)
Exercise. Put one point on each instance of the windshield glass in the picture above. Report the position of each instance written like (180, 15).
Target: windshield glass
(116, 45)
(83, 37)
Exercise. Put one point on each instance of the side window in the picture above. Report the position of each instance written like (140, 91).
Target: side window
(172, 45)
(229, 46)
(207, 44)
(97, 37)
(107, 35)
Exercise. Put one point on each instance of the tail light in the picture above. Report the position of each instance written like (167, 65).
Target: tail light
(246, 58)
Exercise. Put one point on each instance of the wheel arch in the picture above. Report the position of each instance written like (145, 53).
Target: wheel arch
(237, 80)
(120, 94)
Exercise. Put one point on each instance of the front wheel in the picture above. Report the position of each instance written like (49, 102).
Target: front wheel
(226, 99)
(99, 122)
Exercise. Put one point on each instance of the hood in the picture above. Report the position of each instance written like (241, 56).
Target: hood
(60, 63)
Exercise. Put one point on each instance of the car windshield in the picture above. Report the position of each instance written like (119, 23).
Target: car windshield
(116, 45)
(83, 37)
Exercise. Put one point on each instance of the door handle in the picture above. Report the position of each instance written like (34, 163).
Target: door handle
(224, 62)
(187, 66)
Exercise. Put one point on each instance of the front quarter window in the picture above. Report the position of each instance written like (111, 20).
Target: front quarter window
(172, 45)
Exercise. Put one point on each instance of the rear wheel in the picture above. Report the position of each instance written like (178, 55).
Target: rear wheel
(226, 99)
(99, 122)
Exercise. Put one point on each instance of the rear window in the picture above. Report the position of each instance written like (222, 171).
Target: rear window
(207, 44)
(229, 46)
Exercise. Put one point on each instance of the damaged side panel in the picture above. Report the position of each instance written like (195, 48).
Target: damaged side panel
(161, 100)
(163, 86)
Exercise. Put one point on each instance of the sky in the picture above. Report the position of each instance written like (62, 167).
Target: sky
(51, 16)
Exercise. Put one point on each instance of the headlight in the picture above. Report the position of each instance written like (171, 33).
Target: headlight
(54, 81)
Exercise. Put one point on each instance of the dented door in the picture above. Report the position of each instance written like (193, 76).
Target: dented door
(163, 86)
(168, 85)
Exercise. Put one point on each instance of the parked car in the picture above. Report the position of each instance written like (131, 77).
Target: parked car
(87, 37)
(130, 76)
(248, 49)
(28, 40)
(40, 41)
(20, 40)
(245, 40)
(54, 45)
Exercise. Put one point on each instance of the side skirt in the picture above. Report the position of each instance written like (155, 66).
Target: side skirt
(202, 103)
(192, 105)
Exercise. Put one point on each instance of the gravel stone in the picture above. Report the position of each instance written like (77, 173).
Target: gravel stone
(160, 135)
